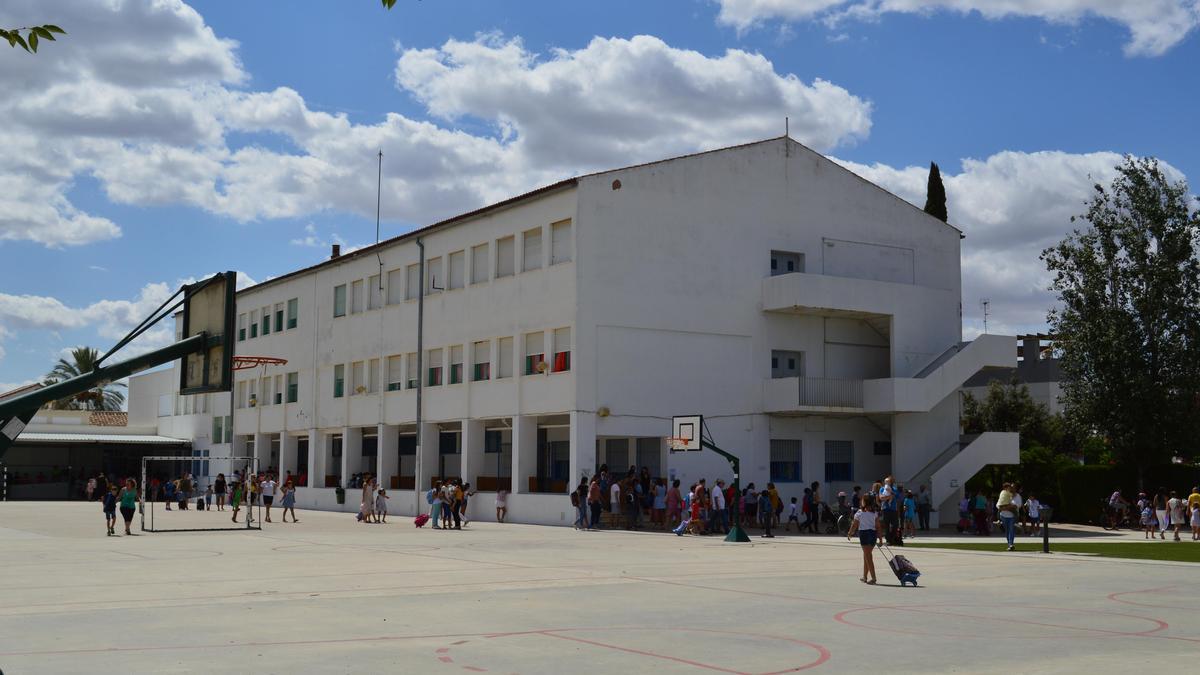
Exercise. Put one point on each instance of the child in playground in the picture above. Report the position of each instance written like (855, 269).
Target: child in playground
(235, 500)
(793, 516)
(1149, 523)
(1196, 522)
(380, 506)
(110, 510)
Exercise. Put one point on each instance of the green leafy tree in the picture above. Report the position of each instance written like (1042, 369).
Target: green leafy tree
(935, 194)
(103, 397)
(1128, 321)
(33, 36)
(1008, 406)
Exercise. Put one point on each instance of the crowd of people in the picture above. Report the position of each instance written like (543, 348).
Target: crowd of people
(979, 513)
(1166, 510)
(448, 500)
(636, 500)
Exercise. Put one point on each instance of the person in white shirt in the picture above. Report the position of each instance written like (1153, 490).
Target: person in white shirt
(267, 487)
(793, 516)
(1018, 502)
(864, 525)
(1034, 508)
(718, 519)
(614, 500)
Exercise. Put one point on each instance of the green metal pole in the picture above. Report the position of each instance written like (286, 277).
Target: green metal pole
(26, 406)
(736, 533)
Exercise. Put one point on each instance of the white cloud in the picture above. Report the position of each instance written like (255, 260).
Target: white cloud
(1155, 26)
(618, 99)
(145, 98)
(1011, 206)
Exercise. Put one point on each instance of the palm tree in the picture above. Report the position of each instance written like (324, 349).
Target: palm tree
(102, 397)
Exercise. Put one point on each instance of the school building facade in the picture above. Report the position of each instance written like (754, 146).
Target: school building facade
(813, 318)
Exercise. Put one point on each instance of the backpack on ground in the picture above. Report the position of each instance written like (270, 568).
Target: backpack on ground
(200, 504)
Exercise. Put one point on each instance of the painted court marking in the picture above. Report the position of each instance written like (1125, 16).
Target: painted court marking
(822, 654)
(1080, 630)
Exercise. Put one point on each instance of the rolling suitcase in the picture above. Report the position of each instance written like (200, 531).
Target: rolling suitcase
(421, 519)
(200, 504)
(902, 567)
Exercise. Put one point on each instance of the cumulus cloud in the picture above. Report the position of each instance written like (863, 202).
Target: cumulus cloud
(1011, 206)
(145, 99)
(1155, 26)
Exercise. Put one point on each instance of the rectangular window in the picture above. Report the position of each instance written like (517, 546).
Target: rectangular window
(339, 300)
(218, 429)
(293, 312)
(434, 368)
(434, 282)
(412, 281)
(457, 274)
(560, 242)
(562, 350)
(277, 396)
(411, 375)
(649, 454)
(786, 364)
(395, 373)
(241, 394)
(253, 388)
(785, 460)
(265, 388)
(279, 317)
(531, 250)
(506, 250)
(535, 352)
(356, 296)
(357, 384)
(456, 364)
(241, 327)
(839, 461)
(229, 428)
(482, 355)
(883, 448)
(374, 292)
(293, 387)
(786, 262)
(504, 358)
(254, 323)
(479, 264)
(372, 376)
(339, 380)
(395, 289)
(616, 454)
(266, 320)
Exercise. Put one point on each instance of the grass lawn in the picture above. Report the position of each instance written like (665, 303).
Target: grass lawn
(1178, 551)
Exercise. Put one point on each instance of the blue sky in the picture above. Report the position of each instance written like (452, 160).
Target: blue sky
(263, 119)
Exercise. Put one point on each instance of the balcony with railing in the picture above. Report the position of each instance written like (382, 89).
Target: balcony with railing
(813, 394)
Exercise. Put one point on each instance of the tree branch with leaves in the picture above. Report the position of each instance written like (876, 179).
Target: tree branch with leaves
(33, 36)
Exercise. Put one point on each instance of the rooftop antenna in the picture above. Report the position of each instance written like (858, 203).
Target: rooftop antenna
(787, 132)
(986, 303)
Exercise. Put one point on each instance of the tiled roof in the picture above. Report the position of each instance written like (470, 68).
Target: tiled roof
(108, 418)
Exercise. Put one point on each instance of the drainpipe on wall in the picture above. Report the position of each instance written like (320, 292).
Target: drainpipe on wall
(420, 369)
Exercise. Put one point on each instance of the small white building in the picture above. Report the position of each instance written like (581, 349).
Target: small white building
(813, 318)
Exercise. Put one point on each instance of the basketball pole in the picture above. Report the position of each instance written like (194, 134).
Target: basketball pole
(736, 533)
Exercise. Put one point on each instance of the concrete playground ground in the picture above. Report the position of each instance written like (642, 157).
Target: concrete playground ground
(329, 595)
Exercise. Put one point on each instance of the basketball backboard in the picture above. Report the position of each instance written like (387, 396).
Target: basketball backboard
(685, 433)
(209, 307)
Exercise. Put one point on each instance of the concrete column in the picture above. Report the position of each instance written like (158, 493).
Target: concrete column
(351, 452)
(472, 450)
(318, 457)
(583, 446)
(427, 455)
(386, 459)
(287, 455)
(262, 450)
(524, 452)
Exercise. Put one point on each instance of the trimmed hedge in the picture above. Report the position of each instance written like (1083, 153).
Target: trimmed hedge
(1083, 487)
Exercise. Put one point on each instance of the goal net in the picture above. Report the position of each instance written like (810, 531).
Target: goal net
(184, 494)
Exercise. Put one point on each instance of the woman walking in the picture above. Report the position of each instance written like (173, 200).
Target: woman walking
(1160, 510)
(659, 507)
(129, 502)
(864, 525)
(368, 498)
(674, 503)
(289, 501)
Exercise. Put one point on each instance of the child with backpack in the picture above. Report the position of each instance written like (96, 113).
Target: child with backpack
(110, 510)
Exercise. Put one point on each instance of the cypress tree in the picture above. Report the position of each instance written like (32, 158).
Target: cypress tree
(935, 194)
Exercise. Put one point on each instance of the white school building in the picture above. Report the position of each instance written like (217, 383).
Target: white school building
(813, 318)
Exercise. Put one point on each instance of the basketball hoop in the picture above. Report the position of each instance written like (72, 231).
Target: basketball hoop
(678, 443)
(248, 362)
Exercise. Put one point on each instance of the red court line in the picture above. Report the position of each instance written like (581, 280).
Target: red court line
(645, 653)
(1161, 625)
